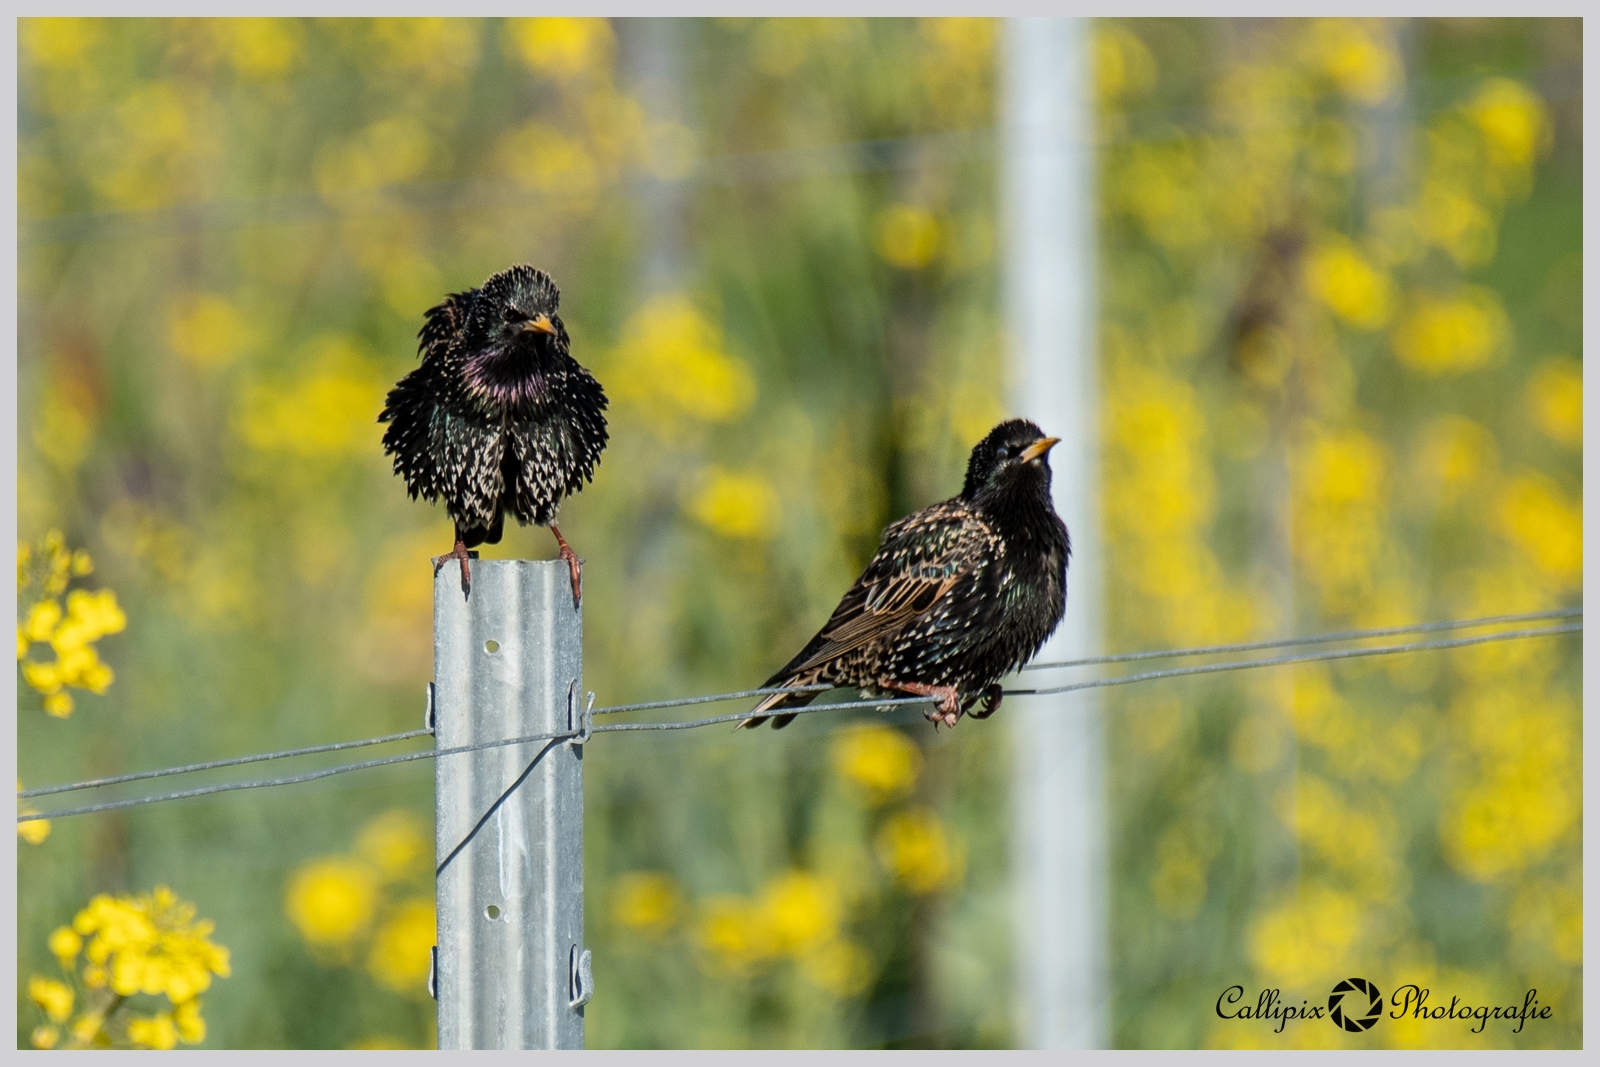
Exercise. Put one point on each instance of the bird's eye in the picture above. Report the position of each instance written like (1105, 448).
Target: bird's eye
(513, 315)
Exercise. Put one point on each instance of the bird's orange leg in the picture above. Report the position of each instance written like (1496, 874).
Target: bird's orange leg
(459, 552)
(572, 563)
(949, 709)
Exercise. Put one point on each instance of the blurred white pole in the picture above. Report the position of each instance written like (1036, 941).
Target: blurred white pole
(1063, 995)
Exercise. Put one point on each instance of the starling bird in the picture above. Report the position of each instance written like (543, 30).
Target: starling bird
(959, 594)
(499, 417)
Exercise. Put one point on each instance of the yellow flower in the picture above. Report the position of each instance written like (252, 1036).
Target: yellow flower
(1123, 64)
(733, 933)
(263, 48)
(646, 901)
(1451, 334)
(54, 997)
(155, 1031)
(331, 900)
(919, 851)
(396, 843)
(207, 330)
(906, 236)
(45, 1036)
(672, 365)
(560, 47)
(1307, 937)
(191, 1027)
(1357, 57)
(735, 505)
(1513, 122)
(400, 956)
(843, 968)
(1555, 396)
(65, 944)
(325, 413)
(880, 759)
(1347, 283)
(1537, 516)
(42, 618)
(802, 910)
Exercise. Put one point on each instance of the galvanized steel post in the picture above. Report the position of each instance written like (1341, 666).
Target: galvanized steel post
(510, 970)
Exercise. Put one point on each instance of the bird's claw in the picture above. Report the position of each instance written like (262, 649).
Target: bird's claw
(576, 567)
(991, 698)
(459, 552)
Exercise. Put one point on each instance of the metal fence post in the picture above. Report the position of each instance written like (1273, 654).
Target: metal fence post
(1058, 744)
(510, 970)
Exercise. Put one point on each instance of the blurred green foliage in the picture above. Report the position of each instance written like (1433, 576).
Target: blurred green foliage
(1341, 312)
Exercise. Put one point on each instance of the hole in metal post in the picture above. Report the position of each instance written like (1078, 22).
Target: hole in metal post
(491, 646)
(492, 912)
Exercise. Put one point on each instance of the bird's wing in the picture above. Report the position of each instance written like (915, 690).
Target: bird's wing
(921, 559)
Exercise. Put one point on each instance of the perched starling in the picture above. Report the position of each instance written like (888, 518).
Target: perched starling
(499, 417)
(959, 594)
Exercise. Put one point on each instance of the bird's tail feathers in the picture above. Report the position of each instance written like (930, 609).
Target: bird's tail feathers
(776, 700)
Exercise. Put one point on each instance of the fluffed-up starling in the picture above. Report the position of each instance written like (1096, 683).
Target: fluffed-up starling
(499, 417)
(959, 594)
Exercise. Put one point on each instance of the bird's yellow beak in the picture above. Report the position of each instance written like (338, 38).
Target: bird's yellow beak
(540, 324)
(1038, 448)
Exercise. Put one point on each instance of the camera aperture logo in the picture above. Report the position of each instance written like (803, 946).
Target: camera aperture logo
(1356, 1004)
(1365, 1006)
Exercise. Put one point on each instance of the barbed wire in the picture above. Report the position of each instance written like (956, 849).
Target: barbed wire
(691, 724)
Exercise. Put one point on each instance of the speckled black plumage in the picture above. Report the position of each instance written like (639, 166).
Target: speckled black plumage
(959, 593)
(498, 417)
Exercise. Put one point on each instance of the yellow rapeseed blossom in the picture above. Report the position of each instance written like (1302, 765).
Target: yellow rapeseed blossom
(396, 842)
(733, 934)
(1123, 64)
(263, 48)
(330, 901)
(1555, 398)
(1454, 455)
(672, 366)
(387, 152)
(843, 968)
(326, 413)
(70, 633)
(65, 943)
(879, 759)
(563, 48)
(647, 902)
(801, 910)
(408, 52)
(1513, 121)
(145, 945)
(1307, 937)
(54, 997)
(1356, 55)
(1450, 334)
(1540, 520)
(1451, 218)
(906, 236)
(400, 955)
(153, 1031)
(208, 330)
(740, 505)
(917, 849)
(1340, 493)
(548, 160)
(1348, 284)
(59, 43)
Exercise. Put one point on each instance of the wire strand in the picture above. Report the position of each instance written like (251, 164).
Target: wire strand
(1343, 653)
(1329, 654)
(1312, 639)
(92, 783)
